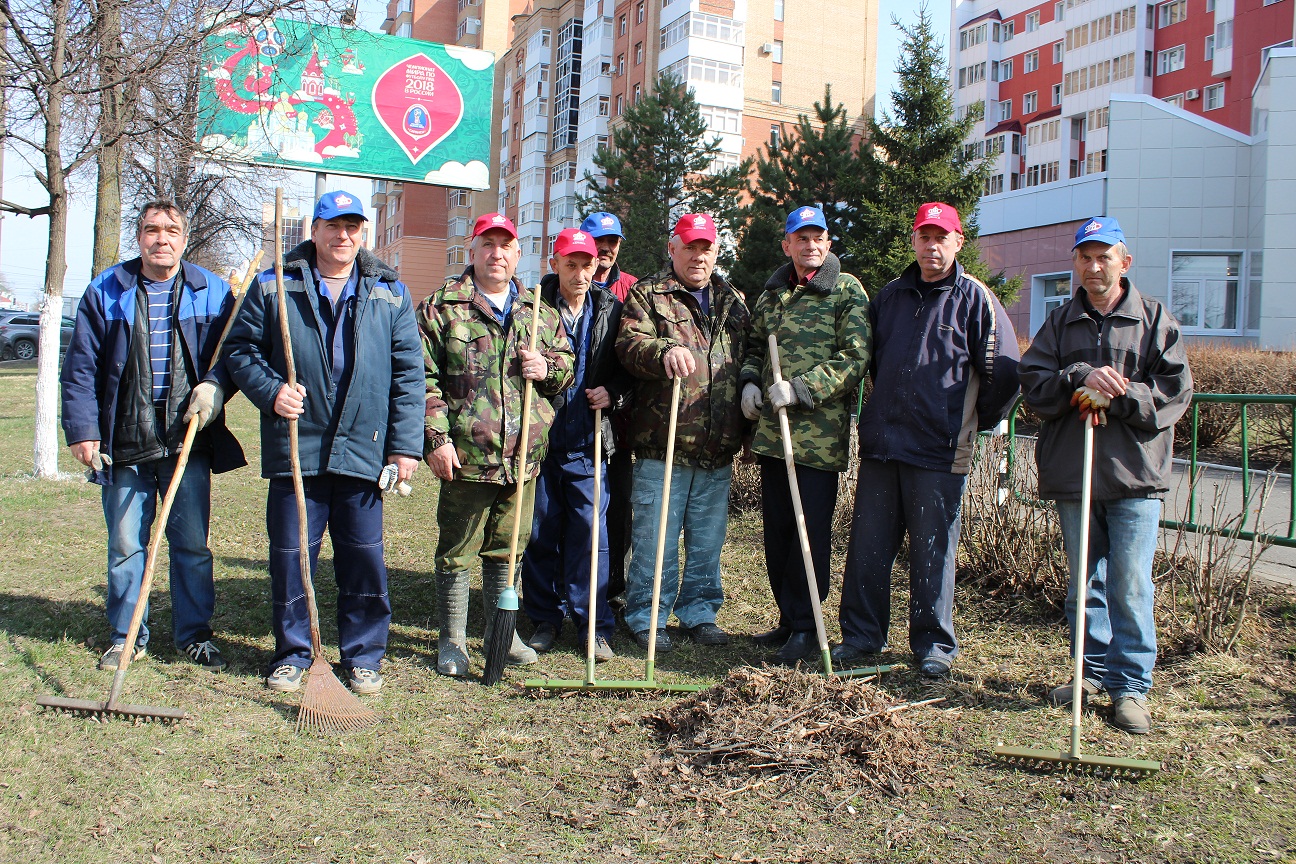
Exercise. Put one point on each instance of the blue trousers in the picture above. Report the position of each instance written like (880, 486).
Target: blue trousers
(699, 507)
(352, 511)
(1120, 633)
(129, 506)
(890, 499)
(556, 564)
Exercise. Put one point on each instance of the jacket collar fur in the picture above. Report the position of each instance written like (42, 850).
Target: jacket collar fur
(302, 258)
(821, 283)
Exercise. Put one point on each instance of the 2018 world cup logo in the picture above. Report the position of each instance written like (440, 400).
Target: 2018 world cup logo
(417, 122)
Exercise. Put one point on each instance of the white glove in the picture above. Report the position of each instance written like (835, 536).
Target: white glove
(782, 395)
(205, 403)
(752, 403)
(388, 481)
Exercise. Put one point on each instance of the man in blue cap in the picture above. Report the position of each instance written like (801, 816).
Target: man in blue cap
(605, 228)
(359, 403)
(820, 317)
(1113, 358)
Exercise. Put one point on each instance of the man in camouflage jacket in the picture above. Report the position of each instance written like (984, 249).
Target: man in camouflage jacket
(475, 332)
(819, 315)
(688, 323)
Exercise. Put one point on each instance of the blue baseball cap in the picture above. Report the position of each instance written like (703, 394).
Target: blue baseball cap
(1100, 229)
(331, 205)
(803, 217)
(601, 224)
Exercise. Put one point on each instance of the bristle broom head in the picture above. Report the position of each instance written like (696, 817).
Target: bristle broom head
(497, 647)
(328, 707)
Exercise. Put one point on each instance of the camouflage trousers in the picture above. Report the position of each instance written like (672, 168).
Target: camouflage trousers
(476, 520)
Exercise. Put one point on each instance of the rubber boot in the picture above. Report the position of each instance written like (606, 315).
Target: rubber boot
(452, 609)
(494, 579)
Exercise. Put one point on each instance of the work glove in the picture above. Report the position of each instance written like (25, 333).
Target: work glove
(790, 394)
(752, 403)
(205, 404)
(1093, 405)
(389, 481)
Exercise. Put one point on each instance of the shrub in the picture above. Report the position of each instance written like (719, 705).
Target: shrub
(1219, 368)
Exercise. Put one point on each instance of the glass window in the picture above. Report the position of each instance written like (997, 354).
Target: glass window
(1032, 22)
(778, 10)
(776, 56)
(1214, 97)
(1172, 12)
(1204, 290)
(776, 91)
(1171, 60)
(1253, 292)
(1054, 291)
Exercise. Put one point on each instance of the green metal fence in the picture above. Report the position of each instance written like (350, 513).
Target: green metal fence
(1243, 400)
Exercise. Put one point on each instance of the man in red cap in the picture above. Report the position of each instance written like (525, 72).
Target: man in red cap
(475, 331)
(556, 567)
(944, 367)
(687, 323)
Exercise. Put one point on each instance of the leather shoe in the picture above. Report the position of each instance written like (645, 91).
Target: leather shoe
(544, 637)
(708, 634)
(847, 655)
(801, 645)
(1131, 714)
(777, 636)
(1061, 695)
(934, 667)
(664, 643)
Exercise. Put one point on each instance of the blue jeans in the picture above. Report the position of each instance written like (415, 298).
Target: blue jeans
(699, 506)
(130, 505)
(556, 564)
(1120, 633)
(352, 509)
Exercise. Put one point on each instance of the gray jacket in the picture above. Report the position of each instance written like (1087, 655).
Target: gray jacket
(1132, 452)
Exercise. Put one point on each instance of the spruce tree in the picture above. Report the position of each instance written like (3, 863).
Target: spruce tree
(659, 168)
(917, 155)
(815, 165)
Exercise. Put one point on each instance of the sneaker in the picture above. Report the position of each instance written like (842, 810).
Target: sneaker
(1060, 696)
(112, 657)
(602, 650)
(285, 679)
(544, 637)
(206, 655)
(664, 643)
(1131, 714)
(934, 667)
(709, 634)
(364, 681)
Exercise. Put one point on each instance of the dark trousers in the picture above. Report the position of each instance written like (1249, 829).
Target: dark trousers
(890, 499)
(620, 480)
(556, 565)
(783, 560)
(352, 511)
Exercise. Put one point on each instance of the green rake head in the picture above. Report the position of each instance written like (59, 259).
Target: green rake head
(1052, 760)
(595, 686)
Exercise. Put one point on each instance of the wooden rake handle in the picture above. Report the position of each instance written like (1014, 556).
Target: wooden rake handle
(663, 517)
(592, 611)
(523, 441)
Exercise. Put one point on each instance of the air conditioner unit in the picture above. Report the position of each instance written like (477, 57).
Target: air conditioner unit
(1194, 93)
(767, 48)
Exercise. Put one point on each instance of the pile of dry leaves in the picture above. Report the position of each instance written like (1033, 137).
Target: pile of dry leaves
(776, 727)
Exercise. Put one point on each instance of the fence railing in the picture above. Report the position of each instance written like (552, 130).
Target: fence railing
(1240, 532)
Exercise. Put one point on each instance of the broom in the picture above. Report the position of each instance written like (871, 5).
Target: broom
(326, 706)
(1025, 756)
(112, 706)
(506, 608)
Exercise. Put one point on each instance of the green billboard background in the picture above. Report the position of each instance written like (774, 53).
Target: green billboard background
(347, 101)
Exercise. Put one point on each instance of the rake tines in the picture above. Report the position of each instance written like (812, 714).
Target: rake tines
(1061, 760)
(328, 707)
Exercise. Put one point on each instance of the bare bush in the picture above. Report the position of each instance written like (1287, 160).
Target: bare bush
(1218, 368)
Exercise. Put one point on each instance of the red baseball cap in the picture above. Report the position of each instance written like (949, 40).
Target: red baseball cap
(939, 214)
(493, 221)
(572, 240)
(695, 226)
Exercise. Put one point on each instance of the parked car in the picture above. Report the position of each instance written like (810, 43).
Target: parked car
(18, 336)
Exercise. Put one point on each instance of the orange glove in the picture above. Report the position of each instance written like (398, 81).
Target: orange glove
(1093, 405)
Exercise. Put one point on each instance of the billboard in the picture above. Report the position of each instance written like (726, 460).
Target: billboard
(347, 101)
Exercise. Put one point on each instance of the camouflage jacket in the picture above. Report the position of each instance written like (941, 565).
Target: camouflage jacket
(660, 314)
(824, 340)
(474, 380)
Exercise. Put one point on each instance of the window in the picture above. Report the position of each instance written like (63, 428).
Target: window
(1214, 97)
(776, 56)
(639, 13)
(621, 26)
(562, 172)
(1253, 292)
(1043, 133)
(775, 136)
(1209, 52)
(704, 26)
(1204, 290)
(974, 36)
(776, 91)
(778, 10)
(993, 185)
(455, 256)
(620, 64)
(1039, 174)
(602, 106)
(459, 197)
(1005, 110)
(1009, 28)
(1096, 162)
(1032, 22)
(620, 105)
(1059, 10)
(969, 75)
(1057, 52)
(1176, 100)
(695, 68)
(457, 227)
(1030, 62)
(1030, 102)
(1224, 34)
(1097, 118)
(1172, 13)
(1057, 95)
(638, 53)
(721, 120)
(1171, 60)
(638, 93)
(1053, 290)
(1006, 70)
(1210, 5)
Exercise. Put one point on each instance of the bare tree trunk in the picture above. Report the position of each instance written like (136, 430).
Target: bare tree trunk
(45, 448)
(108, 201)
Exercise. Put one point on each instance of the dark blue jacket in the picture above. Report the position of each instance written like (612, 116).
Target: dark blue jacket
(101, 344)
(381, 413)
(944, 366)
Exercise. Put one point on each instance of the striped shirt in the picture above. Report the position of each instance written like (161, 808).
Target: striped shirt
(160, 315)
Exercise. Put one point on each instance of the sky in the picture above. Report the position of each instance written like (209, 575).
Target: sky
(23, 241)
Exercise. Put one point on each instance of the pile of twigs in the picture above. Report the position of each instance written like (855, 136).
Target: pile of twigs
(779, 727)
